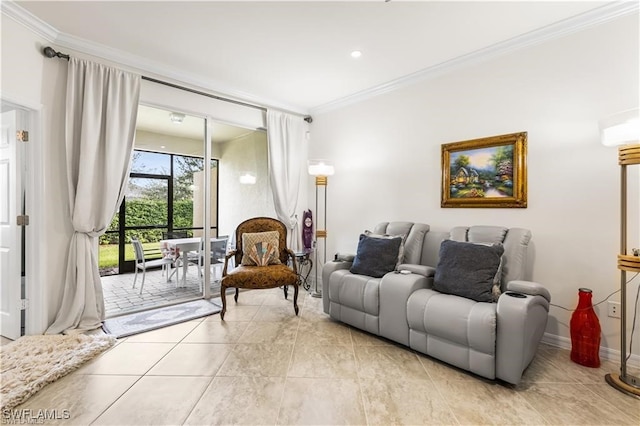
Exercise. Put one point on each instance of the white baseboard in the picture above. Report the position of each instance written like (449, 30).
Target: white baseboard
(605, 353)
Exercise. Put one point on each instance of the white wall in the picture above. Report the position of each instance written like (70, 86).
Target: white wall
(388, 166)
(21, 77)
(30, 79)
(239, 202)
(199, 203)
(21, 84)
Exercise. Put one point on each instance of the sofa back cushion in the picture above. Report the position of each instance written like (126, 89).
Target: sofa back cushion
(422, 245)
(431, 247)
(415, 235)
(479, 234)
(514, 240)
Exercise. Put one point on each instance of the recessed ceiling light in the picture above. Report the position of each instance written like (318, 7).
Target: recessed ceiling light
(356, 54)
(162, 146)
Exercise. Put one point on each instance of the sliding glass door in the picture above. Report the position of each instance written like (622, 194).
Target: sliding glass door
(174, 192)
(164, 197)
(164, 201)
(143, 216)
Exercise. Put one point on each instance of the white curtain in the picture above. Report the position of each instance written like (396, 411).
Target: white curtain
(101, 112)
(287, 156)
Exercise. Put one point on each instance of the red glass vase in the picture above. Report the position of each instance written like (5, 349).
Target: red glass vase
(585, 332)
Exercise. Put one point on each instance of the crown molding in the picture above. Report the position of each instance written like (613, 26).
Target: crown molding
(577, 23)
(142, 65)
(163, 71)
(31, 22)
(567, 26)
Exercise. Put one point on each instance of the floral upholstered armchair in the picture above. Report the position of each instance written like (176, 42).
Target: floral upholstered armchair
(262, 260)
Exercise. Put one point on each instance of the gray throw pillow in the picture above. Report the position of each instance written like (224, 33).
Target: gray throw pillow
(376, 257)
(468, 270)
(400, 251)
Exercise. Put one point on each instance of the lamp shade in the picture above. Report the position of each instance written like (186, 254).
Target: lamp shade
(620, 129)
(321, 168)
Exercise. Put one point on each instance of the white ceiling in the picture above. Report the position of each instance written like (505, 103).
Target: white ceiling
(295, 55)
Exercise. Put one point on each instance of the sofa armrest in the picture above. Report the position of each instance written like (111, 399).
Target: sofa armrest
(425, 271)
(521, 322)
(395, 290)
(344, 257)
(327, 270)
(529, 287)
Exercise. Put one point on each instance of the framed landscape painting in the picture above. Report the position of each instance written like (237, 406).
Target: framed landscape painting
(486, 172)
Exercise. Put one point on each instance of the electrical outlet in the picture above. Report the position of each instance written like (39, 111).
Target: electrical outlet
(614, 309)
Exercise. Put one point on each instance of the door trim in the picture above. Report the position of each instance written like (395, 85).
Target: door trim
(36, 316)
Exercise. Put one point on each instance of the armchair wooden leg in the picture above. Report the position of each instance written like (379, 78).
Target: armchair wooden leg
(236, 296)
(295, 298)
(223, 296)
(286, 290)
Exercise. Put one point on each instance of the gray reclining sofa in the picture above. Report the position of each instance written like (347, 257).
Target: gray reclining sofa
(492, 335)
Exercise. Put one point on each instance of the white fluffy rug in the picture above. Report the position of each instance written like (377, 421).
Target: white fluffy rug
(31, 362)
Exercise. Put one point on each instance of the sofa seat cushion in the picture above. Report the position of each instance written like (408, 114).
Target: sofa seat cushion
(454, 319)
(359, 292)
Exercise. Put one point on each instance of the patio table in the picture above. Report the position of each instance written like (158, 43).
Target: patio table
(183, 246)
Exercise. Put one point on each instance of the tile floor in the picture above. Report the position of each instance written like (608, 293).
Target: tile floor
(265, 366)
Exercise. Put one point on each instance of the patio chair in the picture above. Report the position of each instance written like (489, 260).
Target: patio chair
(174, 234)
(143, 264)
(262, 259)
(218, 252)
(174, 254)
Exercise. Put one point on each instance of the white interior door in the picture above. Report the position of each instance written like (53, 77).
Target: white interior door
(10, 233)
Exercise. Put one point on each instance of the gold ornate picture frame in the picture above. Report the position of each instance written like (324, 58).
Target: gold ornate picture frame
(486, 172)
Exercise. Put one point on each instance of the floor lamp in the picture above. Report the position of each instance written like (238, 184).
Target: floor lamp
(623, 130)
(320, 169)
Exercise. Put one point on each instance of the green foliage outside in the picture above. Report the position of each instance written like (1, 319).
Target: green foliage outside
(142, 212)
(108, 257)
(147, 205)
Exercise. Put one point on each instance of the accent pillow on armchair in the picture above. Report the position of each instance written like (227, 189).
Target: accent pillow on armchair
(260, 248)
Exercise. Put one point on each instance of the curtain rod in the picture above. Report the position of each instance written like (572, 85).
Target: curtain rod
(50, 52)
